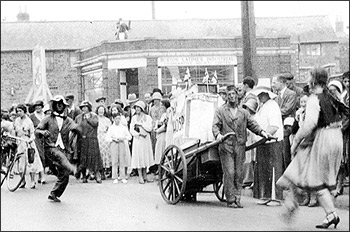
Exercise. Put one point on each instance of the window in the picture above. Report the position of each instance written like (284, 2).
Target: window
(72, 58)
(311, 49)
(49, 61)
(176, 74)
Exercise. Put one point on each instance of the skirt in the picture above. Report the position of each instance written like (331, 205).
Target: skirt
(316, 164)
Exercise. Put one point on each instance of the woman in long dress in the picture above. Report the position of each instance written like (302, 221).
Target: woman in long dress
(318, 146)
(142, 153)
(87, 142)
(24, 128)
(103, 124)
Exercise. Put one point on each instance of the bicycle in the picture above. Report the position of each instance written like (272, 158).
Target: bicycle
(13, 164)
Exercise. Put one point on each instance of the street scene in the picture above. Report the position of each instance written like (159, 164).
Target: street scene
(160, 116)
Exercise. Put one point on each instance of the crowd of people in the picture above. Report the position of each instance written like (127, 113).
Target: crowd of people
(305, 150)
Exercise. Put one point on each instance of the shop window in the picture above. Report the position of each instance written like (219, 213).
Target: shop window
(49, 61)
(175, 75)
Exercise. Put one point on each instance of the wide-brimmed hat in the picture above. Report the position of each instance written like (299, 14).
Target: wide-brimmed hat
(101, 98)
(140, 104)
(264, 88)
(39, 103)
(336, 84)
(22, 107)
(58, 98)
(156, 96)
(251, 104)
(119, 101)
(132, 98)
(85, 103)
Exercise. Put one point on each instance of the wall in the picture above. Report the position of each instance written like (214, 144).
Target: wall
(16, 72)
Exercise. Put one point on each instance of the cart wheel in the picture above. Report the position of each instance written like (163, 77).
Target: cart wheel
(219, 191)
(172, 174)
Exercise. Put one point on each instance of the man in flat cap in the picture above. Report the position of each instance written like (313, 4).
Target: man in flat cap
(73, 110)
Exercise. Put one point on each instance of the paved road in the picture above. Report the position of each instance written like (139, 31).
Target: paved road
(132, 206)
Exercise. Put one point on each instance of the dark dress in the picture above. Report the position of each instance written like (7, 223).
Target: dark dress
(87, 143)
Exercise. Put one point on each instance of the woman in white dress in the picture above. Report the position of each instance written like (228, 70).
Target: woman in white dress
(142, 153)
(24, 128)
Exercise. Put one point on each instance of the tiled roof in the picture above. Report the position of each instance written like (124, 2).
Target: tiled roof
(80, 34)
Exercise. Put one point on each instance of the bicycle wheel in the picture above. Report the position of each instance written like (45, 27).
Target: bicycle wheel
(5, 161)
(17, 171)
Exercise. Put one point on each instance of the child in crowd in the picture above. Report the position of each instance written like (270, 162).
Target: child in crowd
(118, 136)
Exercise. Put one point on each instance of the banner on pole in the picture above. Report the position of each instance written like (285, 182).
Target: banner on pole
(40, 89)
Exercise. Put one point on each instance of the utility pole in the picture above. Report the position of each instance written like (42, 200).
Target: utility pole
(248, 39)
(153, 11)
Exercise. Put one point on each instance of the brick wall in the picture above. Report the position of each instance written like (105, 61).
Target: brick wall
(16, 72)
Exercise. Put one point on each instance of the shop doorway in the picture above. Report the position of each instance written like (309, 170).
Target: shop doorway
(132, 81)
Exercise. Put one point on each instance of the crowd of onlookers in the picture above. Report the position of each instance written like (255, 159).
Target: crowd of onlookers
(117, 141)
(127, 138)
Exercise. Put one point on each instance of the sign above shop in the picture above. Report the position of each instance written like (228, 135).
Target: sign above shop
(197, 60)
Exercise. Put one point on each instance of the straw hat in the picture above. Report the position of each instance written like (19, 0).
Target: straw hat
(263, 88)
(336, 84)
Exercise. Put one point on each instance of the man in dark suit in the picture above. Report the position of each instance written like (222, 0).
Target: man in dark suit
(287, 101)
(55, 130)
(292, 86)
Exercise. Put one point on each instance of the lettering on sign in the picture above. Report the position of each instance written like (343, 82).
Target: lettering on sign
(197, 60)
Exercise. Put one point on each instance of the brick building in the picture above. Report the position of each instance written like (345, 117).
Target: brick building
(83, 57)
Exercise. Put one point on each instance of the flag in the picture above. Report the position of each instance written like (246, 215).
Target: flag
(214, 79)
(206, 77)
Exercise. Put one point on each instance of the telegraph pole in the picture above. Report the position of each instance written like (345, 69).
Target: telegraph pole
(248, 39)
(153, 11)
